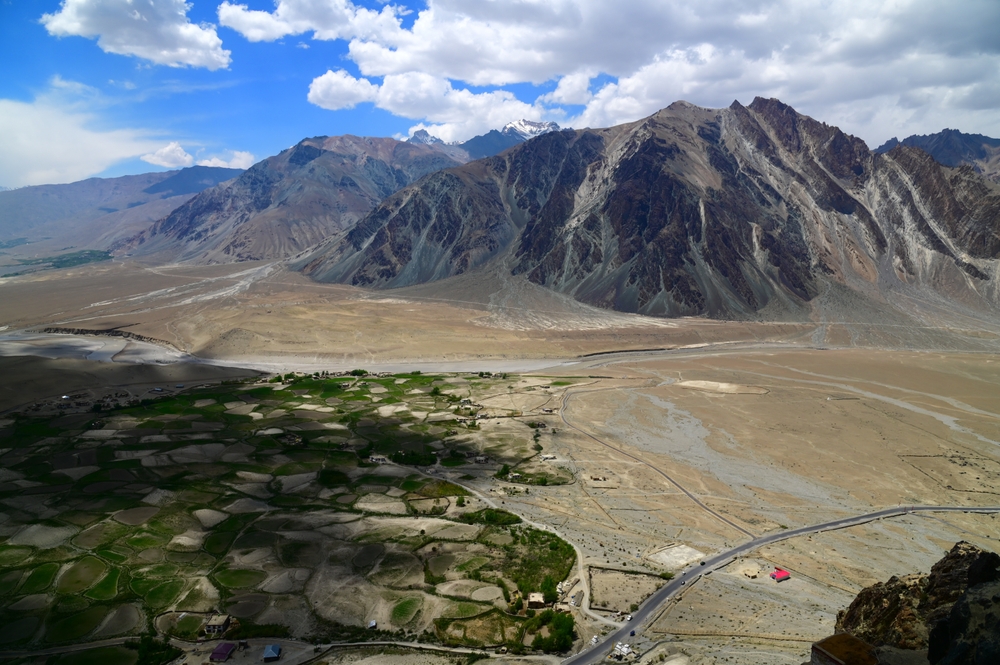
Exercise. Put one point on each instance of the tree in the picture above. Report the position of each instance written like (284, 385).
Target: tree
(549, 590)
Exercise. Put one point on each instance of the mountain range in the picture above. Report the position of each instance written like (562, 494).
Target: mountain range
(98, 211)
(493, 142)
(746, 212)
(953, 148)
(301, 196)
(741, 212)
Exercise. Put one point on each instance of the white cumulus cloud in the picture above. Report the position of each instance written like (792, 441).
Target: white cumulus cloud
(877, 68)
(326, 19)
(59, 138)
(171, 156)
(339, 90)
(155, 30)
(454, 113)
(239, 160)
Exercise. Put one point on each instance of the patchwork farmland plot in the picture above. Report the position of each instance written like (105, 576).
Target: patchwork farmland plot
(266, 501)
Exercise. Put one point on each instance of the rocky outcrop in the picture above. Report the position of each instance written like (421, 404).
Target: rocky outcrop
(970, 635)
(886, 613)
(745, 212)
(954, 612)
(288, 202)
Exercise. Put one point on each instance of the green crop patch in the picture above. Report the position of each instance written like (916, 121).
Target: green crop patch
(11, 556)
(107, 588)
(162, 570)
(98, 656)
(146, 540)
(240, 578)
(439, 488)
(405, 610)
(218, 543)
(14, 630)
(81, 575)
(143, 585)
(75, 626)
(188, 626)
(491, 517)
(40, 578)
(113, 555)
(411, 485)
(9, 581)
(163, 594)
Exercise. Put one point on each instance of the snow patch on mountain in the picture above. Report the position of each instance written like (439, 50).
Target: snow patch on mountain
(529, 129)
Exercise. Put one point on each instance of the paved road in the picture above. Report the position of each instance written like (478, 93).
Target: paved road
(693, 573)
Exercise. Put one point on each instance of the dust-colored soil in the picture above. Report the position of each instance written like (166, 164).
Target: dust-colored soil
(617, 590)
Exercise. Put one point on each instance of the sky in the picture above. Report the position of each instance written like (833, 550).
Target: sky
(115, 87)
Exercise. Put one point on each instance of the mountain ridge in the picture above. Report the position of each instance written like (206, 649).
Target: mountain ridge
(96, 212)
(285, 203)
(954, 148)
(493, 142)
(741, 212)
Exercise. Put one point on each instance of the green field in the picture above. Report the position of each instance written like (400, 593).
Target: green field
(190, 485)
(240, 579)
(81, 575)
(107, 588)
(404, 610)
(75, 626)
(163, 594)
(99, 656)
(40, 578)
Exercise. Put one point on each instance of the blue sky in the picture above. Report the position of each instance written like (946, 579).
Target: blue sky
(110, 87)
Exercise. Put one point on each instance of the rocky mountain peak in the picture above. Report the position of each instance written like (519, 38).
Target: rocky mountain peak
(953, 148)
(422, 136)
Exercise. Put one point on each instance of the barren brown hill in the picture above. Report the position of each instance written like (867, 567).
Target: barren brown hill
(288, 202)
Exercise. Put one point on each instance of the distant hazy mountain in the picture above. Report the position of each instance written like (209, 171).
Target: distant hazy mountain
(954, 148)
(493, 142)
(742, 212)
(288, 202)
(94, 212)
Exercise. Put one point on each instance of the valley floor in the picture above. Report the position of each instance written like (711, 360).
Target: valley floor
(716, 433)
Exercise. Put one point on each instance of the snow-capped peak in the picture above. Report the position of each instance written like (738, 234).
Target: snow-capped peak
(528, 129)
(421, 136)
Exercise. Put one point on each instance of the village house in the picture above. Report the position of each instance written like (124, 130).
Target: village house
(217, 624)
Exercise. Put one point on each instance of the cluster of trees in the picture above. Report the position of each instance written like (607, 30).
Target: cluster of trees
(153, 651)
(413, 458)
(560, 637)
(492, 517)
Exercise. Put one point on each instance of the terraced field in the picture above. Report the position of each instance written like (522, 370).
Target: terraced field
(263, 500)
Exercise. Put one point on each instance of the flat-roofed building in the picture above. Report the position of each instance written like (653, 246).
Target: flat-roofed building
(217, 624)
